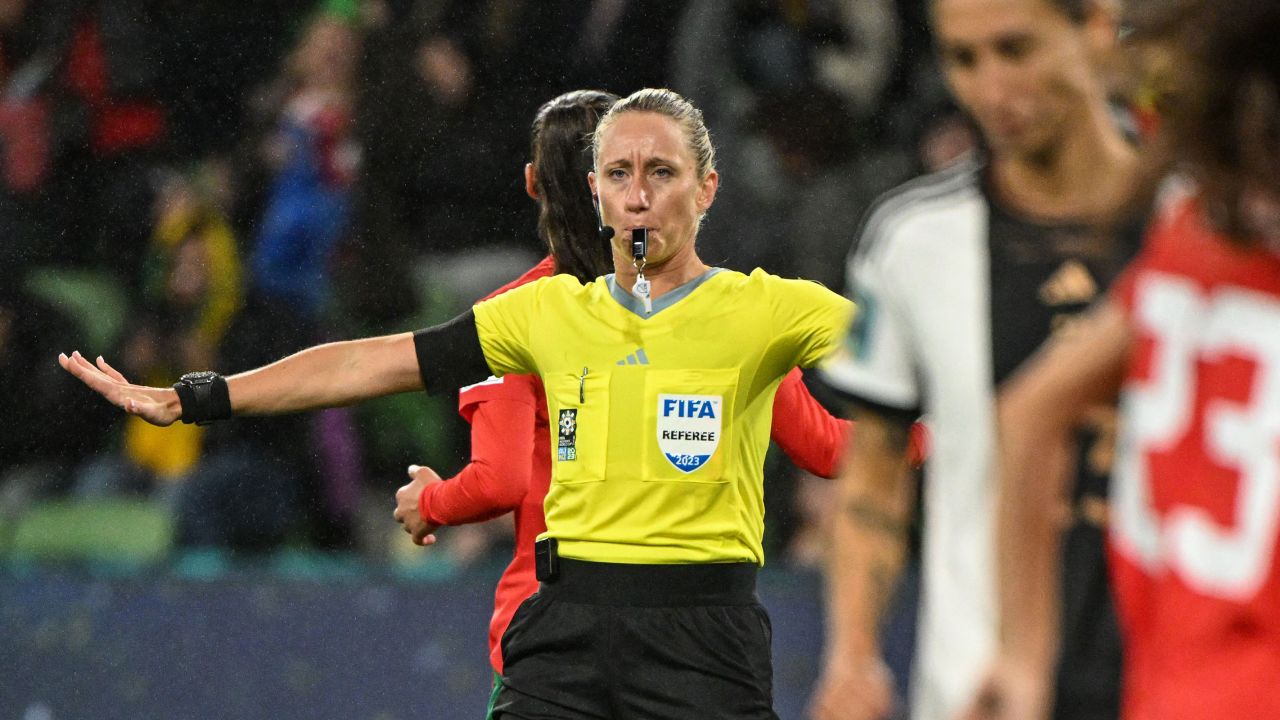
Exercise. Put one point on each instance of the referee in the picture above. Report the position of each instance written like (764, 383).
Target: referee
(511, 461)
(647, 606)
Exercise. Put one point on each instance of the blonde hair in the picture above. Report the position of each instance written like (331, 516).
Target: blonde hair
(673, 105)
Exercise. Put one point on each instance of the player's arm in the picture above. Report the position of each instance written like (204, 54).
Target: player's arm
(868, 549)
(502, 416)
(497, 478)
(328, 375)
(813, 438)
(1038, 412)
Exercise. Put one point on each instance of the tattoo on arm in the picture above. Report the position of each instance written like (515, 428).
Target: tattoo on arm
(881, 577)
(877, 504)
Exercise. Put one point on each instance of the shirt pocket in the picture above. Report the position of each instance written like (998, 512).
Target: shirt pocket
(578, 407)
(688, 428)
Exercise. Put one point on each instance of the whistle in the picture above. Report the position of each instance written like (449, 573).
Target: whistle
(639, 243)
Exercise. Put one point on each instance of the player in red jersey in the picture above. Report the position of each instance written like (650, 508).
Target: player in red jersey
(510, 467)
(1190, 338)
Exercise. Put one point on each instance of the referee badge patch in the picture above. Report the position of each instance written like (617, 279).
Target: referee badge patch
(689, 429)
(568, 447)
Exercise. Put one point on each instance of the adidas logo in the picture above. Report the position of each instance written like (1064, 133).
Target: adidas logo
(1071, 284)
(636, 358)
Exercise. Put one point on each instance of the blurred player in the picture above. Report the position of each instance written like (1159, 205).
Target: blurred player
(1190, 337)
(958, 277)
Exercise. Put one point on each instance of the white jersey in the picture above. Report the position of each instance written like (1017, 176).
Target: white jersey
(921, 344)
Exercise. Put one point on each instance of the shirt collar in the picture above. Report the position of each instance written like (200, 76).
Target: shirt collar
(635, 305)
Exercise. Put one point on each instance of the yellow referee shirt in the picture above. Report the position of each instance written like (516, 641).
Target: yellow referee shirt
(660, 423)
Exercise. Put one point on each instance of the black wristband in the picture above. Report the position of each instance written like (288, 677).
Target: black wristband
(450, 355)
(204, 397)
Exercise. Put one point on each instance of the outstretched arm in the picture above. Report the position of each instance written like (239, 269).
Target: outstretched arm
(328, 375)
(334, 374)
(1038, 412)
(443, 357)
(868, 549)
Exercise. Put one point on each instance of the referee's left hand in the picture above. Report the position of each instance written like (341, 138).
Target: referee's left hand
(407, 499)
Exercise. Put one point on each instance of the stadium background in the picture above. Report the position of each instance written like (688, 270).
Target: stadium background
(211, 184)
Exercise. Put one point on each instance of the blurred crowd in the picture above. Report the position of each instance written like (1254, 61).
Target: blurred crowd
(203, 185)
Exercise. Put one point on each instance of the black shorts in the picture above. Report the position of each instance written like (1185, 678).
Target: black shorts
(659, 642)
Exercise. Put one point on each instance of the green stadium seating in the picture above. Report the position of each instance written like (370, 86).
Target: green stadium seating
(115, 533)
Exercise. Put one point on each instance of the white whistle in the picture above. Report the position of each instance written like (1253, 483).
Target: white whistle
(641, 290)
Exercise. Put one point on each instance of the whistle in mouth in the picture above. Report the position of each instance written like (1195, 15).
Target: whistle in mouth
(639, 243)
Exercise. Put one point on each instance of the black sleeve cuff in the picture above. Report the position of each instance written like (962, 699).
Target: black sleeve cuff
(853, 403)
(449, 354)
(903, 416)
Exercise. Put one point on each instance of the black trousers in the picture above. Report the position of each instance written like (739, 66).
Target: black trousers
(644, 642)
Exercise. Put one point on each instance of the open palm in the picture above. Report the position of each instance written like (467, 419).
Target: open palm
(158, 406)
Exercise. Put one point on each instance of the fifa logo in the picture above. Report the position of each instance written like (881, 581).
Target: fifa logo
(695, 408)
(689, 429)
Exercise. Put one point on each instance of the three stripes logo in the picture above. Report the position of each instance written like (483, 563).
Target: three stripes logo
(636, 358)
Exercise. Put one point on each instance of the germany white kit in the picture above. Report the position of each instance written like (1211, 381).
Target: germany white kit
(953, 292)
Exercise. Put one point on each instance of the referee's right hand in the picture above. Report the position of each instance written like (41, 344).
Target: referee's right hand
(158, 406)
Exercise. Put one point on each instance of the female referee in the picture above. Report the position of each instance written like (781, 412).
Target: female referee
(510, 469)
(655, 513)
